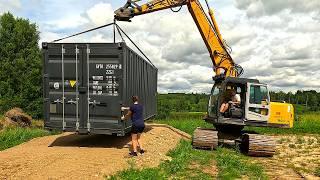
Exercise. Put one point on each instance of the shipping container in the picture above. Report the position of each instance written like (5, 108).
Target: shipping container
(86, 84)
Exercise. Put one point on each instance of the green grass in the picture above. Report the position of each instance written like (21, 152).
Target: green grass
(317, 171)
(186, 122)
(14, 136)
(186, 125)
(307, 123)
(186, 163)
(233, 165)
(1, 122)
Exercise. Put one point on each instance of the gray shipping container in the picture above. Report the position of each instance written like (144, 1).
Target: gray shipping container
(86, 84)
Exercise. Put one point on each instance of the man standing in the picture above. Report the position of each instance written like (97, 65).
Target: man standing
(136, 114)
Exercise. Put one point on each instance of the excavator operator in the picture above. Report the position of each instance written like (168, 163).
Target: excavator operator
(231, 99)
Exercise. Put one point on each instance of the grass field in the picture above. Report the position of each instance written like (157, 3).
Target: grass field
(186, 122)
(14, 136)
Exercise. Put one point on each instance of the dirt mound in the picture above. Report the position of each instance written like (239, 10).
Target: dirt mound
(71, 156)
(16, 117)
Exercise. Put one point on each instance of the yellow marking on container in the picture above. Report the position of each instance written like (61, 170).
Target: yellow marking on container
(73, 82)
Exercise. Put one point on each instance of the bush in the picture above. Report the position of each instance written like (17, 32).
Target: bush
(20, 66)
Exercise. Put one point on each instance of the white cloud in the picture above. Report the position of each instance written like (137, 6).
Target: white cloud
(100, 14)
(262, 7)
(11, 5)
(69, 22)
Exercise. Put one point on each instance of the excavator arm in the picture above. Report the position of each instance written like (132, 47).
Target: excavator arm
(221, 59)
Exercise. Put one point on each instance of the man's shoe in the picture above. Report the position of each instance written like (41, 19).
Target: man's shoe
(132, 154)
(142, 151)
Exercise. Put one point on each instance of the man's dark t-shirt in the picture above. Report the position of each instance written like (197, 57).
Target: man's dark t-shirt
(137, 115)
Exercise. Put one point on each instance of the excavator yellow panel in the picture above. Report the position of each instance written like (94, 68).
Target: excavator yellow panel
(281, 114)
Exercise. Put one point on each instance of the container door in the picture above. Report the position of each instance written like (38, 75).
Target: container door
(103, 75)
(258, 102)
(63, 71)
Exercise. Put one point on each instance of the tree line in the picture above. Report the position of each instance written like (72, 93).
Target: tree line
(309, 99)
(179, 102)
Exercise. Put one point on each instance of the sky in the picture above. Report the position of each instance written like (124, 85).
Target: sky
(277, 42)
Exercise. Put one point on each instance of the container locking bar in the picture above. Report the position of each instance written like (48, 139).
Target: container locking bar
(88, 84)
(77, 91)
(63, 51)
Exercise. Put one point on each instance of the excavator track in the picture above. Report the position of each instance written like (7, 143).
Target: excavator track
(205, 139)
(258, 145)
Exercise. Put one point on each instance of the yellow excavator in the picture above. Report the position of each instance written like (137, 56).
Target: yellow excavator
(253, 109)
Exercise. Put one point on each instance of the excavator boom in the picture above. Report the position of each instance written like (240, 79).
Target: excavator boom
(221, 59)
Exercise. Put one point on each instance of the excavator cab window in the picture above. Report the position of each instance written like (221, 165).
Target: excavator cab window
(258, 94)
(213, 101)
(258, 104)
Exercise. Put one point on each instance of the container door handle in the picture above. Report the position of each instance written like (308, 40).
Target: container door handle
(72, 102)
(96, 103)
(58, 101)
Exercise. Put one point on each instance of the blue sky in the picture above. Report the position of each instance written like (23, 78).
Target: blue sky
(275, 41)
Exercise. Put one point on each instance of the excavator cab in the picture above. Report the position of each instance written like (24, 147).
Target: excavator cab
(252, 110)
(253, 106)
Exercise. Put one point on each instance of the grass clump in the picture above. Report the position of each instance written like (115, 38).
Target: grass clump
(135, 174)
(233, 165)
(180, 167)
(292, 146)
(14, 136)
(1, 123)
(310, 141)
(317, 171)
(282, 140)
(300, 140)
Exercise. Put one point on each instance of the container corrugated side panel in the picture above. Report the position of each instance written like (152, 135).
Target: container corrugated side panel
(141, 81)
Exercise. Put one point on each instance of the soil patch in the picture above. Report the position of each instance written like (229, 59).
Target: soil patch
(71, 156)
(297, 157)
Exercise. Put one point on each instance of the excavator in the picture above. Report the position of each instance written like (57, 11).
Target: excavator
(255, 108)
